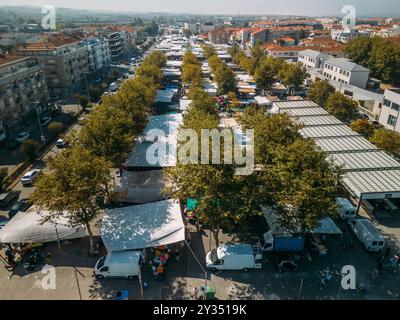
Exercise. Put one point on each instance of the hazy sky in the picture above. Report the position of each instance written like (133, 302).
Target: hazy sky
(300, 7)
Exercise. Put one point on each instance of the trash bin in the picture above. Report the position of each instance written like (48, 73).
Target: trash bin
(207, 292)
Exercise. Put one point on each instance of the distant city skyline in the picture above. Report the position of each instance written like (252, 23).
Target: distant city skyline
(226, 7)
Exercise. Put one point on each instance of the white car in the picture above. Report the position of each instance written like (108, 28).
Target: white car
(61, 143)
(30, 176)
(23, 136)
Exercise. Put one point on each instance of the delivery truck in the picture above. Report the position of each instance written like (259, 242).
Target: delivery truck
(368, 235)
(234, 257)
(284, 242)
(124, 264)
(346, 209)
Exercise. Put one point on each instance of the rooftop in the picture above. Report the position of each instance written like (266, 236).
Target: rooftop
(345, 64)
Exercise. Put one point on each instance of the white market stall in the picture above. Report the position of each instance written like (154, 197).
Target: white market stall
(143, 226)
(26, 227)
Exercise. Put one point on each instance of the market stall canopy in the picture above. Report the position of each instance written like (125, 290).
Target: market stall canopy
(262, 101)
(25, 227)
(143, 226)
(325, 225)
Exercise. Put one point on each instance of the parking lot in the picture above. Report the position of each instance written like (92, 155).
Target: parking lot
(75, 279)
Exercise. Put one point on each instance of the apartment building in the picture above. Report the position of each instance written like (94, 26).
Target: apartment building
(65, 61)
(122, 40)
(312, 58)
(207, 27)
(23, 92)
(390, 112)
(343, 70)
(190, 26)
(99, 55)
(219, 36)
(287, 52)
(258, 36)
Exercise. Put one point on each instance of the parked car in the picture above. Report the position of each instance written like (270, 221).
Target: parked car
(20, 205)
(23, 136)
(7, 198)
(3, 221)
(29, 177)
(61, 143)
(45, 121)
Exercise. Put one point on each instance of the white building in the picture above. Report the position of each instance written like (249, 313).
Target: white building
(99, 55)
(390, 111)
(207, 27)
(312, 59)
(343, 70)
(191, 26)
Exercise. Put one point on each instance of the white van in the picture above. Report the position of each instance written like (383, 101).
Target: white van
(346, 209)
(124, 264)
(234, 257)
(366, 232)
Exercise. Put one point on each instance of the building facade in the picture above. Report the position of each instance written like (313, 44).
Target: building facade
(23, 93)
(312, 59)
(390, 112)
(343, 70)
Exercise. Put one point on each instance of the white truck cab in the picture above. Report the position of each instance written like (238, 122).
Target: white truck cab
(234, 257)
(346, 209)
(124, 264)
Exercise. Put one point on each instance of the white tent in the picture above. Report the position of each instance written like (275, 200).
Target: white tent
(25, 227)
(143, 226)
(262, 101)
(141, 186)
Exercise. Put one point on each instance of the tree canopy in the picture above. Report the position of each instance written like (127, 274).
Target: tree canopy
(380, 55)
(71, 187)
(320, 91)
(342, 107)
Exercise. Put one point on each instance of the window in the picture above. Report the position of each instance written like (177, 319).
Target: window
(387, 102)
(392, 120)
(395, 106)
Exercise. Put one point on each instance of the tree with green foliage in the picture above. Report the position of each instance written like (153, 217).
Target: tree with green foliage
(362, 126)
(380, 55)
(293, 75)
(71, 188)
(387, 140)
(109, 133)
(320, 92)
(209, 51)
(225, 79)
(55, 128)
(342, 107)
(305, 185)
(264, 74)
(30, 148)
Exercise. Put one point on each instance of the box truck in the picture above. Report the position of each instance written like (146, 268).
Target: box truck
(346, 209)
(124, 264)
(234, 257)
(284, 242)
(366, 232)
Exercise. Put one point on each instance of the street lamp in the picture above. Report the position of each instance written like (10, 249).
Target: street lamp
(42, 136)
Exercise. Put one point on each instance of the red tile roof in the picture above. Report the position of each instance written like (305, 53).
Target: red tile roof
(7, 58)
